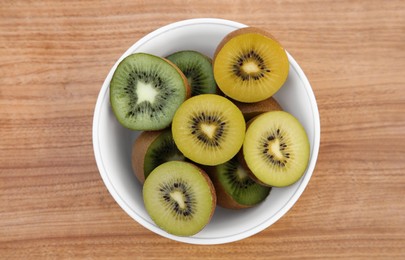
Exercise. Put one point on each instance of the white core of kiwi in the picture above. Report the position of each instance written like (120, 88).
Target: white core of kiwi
(145, 92)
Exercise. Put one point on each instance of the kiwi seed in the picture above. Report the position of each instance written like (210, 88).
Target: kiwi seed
(181, 207)
(245, 60)
(197, 124)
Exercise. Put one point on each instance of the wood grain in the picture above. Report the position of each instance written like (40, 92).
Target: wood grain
(55, 56)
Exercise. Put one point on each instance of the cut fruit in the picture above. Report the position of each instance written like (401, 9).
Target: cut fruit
(179, 197)
(151, 149)
(234, 187)
(250, 110)
(276, 149)
(145, 92)
(208, 129)
(198, 70)
(250, 65)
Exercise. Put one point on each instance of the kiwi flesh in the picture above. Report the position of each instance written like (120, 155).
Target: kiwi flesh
(151, 149)
(145, 91)
(197, 68)
(208, 129)
(250, 65)
(234, 187)
(276, 149)
(179, 197)
(250, 110)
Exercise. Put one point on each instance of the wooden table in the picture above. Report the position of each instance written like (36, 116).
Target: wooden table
(55, 56)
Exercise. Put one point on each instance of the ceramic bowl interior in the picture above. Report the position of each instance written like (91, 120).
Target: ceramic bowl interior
(113, 143)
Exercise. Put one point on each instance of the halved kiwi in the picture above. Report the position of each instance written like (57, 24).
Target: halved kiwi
(234, 187)
(250, 110)
(250, 65)
(208, 129)
(145, 92)
(276, 149)
(197, 68)
(151, 149)
(179, 197)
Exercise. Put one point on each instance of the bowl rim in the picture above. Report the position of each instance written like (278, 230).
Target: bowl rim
(194, 240)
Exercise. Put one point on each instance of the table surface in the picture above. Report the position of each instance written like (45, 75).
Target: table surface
(55, 56)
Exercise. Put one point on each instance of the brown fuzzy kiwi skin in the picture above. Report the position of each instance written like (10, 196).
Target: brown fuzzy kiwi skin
(188, 87)
(251, 110)
(211, 186)
(139, 149)
(240, 31)
(223, 198)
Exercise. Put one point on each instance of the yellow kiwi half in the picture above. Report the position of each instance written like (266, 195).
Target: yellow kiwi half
(208, 129)
(276, 149)
(250, 65)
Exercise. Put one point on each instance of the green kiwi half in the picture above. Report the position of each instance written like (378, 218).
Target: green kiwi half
(145, 92)
(234, 187)
(179, 197)
(198, 70)
(151, 149)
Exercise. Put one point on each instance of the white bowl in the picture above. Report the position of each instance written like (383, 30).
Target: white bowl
(113, 143)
